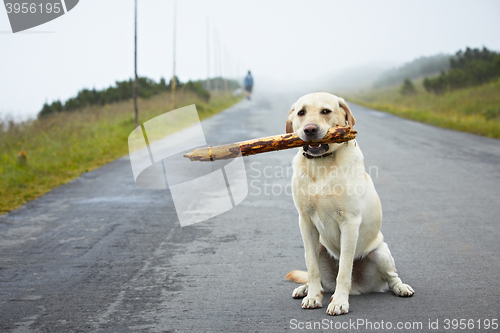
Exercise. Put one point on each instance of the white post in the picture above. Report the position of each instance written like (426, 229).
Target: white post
(134, 92)
(208, 56)
(174, 78)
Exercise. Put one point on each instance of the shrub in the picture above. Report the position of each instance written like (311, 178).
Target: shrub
(197, 88)
(408, 88)
(491, 114)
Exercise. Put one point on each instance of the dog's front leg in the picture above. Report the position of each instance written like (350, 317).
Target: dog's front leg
(349, 231)
(310, 235)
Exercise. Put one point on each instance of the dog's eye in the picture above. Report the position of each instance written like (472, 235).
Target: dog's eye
(301, 113)
(326, 111)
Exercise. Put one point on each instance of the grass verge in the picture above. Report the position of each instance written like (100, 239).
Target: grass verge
(59, 147)
(475, 110)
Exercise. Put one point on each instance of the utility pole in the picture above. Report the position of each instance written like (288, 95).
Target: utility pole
(237, 69)
(174, 78)
(226, 65)
(136, 110)
(208, 56)
(221, 66)
(216, 67)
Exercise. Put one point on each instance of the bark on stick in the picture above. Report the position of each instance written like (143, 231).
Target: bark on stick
(263, 145)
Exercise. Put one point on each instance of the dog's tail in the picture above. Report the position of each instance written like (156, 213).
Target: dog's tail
(297, 276)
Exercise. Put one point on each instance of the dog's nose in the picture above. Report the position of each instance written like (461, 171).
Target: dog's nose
(311, 129)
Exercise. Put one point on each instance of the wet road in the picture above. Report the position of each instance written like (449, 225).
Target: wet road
(100, 254)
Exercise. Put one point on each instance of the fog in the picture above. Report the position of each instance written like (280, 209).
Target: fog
(309, 45)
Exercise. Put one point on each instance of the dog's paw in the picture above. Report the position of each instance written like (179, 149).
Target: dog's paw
(403, 290)
(300, 292)
(336, 309)
(312, 302)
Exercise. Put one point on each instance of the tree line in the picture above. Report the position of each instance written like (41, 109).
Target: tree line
(468, 68)
(122, 90)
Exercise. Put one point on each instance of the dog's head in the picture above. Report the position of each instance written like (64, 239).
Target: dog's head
(313, 114)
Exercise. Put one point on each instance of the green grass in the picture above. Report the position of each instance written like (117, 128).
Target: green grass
(475, 110)
(61, 146)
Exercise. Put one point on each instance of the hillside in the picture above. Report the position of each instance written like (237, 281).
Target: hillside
(423, 66)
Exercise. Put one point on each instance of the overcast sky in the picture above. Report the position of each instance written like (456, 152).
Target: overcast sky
(294, 41)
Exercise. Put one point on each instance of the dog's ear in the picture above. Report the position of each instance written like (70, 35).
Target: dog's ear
(348, 114)
(289, 125)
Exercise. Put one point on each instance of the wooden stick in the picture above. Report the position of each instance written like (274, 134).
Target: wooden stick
(264, 145)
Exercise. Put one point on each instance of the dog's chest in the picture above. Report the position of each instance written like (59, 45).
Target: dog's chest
(325, 198)
(325, 207)
(323, 191)
(327, 225)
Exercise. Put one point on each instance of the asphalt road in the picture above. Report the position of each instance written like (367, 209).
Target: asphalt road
(101, 254)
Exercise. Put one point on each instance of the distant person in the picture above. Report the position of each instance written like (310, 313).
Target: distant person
(248, 84)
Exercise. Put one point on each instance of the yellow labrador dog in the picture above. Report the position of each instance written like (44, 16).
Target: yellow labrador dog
(339, 212)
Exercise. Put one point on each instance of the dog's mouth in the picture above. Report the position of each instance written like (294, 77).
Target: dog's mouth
(316, 150)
